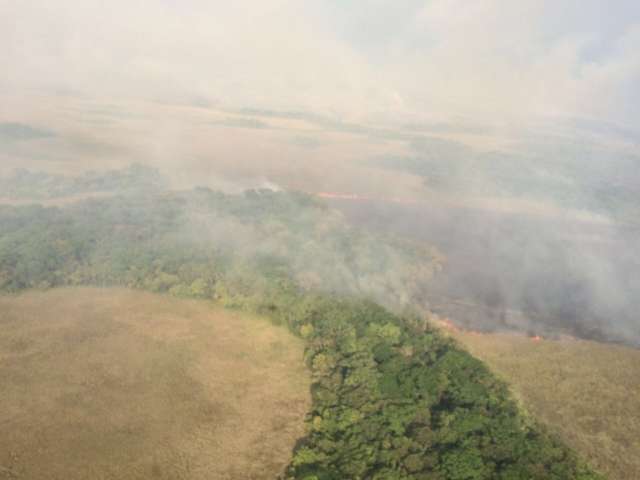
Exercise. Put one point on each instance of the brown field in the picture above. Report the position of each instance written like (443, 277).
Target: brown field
(115, 384)
(586, 392)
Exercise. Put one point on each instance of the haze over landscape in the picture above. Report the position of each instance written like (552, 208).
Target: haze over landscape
(174, 82)
(475, 163)
(527, 109)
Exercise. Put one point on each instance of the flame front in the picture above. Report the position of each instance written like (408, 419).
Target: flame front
(355, 196)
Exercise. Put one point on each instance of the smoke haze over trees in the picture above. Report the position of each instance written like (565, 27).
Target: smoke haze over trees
(392, 397)
(472, 162)
(516, 122)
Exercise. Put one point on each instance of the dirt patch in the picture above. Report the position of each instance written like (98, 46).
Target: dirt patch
(116, 384)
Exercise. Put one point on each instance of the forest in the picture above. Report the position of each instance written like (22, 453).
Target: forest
(391, 397)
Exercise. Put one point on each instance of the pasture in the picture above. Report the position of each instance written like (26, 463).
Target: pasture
(122, 384)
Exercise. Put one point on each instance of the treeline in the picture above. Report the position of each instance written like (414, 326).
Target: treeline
(160, 242)
(392, 399)
(27, 184)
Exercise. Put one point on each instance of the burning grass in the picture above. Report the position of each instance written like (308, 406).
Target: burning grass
(587, 392)
(111, 383)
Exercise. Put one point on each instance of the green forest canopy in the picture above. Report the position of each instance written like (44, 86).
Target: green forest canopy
(392, 399)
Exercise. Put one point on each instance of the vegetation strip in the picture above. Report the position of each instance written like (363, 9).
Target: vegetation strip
(392, 399)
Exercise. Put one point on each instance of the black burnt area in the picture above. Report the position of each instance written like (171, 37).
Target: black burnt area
(538, 274)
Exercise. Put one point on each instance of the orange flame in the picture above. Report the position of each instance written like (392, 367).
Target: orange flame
(354, 196)
(449, 325)
(342, 196)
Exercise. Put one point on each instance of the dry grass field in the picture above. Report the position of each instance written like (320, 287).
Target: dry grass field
(586, 392)
(116, 384)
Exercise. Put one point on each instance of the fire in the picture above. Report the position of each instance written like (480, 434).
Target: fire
(449, 325)
(354, 196)
(341, 196)
(445, 323)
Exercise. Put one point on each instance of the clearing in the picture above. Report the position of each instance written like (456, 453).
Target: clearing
(121, 384)
(586, 392)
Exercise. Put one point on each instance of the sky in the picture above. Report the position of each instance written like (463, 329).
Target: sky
(355, 59)
(275, 81)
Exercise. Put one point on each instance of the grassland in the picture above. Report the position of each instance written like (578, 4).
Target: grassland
(586, 392)
(116, 384)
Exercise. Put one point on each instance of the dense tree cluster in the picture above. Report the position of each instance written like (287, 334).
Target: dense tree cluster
(161, 242)
(26, 184)
(392, 399)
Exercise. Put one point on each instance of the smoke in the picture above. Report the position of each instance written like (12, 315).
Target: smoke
(517, 271)
(511, 129)
(438, 59)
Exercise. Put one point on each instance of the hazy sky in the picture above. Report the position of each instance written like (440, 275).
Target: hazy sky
(359, 59)
(306, 91)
